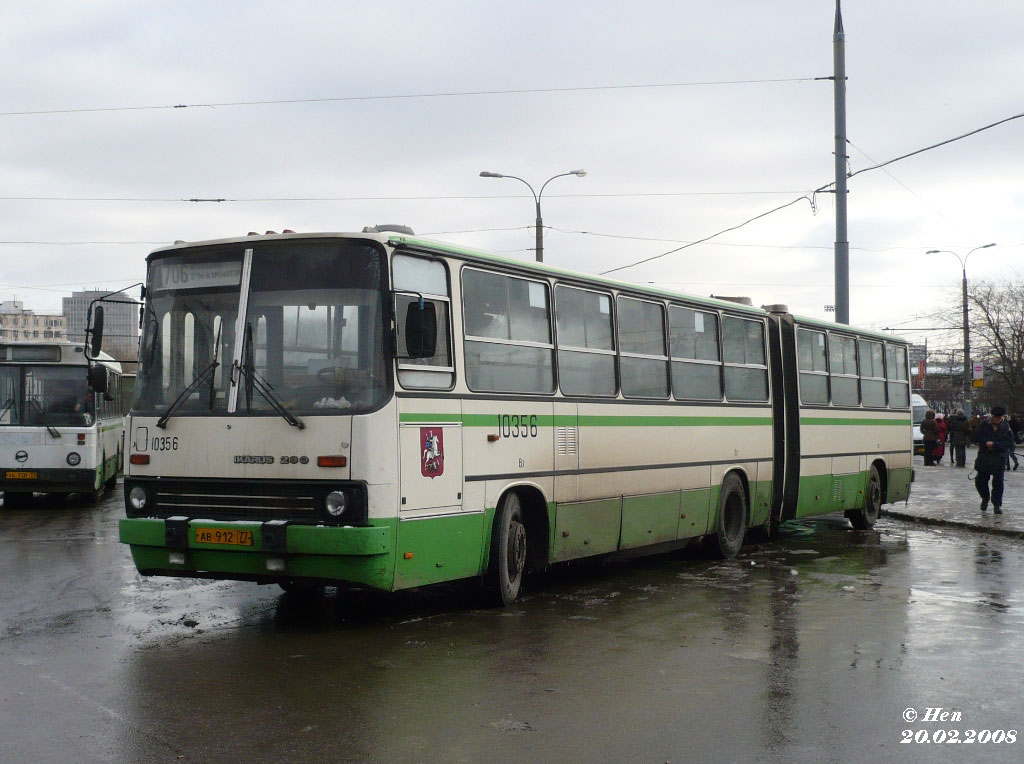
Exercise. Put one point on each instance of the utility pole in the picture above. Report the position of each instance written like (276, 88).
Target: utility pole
(842, 250)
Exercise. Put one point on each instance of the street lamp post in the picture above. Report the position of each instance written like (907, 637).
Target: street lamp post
(968, 371)
(536, 199)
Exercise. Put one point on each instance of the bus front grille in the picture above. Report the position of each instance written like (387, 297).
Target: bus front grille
(235, 505)
(298, 501)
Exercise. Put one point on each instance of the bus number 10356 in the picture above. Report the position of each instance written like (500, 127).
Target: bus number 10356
(517, 425)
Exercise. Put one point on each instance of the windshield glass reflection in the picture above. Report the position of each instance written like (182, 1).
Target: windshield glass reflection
(312, 339)
(46, 395)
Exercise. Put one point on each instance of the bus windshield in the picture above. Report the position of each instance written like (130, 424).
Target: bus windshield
(311, 339)
(46, 396)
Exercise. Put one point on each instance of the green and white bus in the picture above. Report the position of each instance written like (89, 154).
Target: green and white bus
(380, 410)
(57, 435)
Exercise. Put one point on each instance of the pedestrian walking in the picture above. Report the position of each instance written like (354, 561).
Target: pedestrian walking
(930, 437)
(940, 446)
(1017, 427)
(994, 439)
(1011, 454)
(959, 437)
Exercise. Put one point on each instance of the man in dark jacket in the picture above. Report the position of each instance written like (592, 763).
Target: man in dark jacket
(959, 437)
(994, 439)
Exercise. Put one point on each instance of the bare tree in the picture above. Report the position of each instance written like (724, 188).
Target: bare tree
(997, 340)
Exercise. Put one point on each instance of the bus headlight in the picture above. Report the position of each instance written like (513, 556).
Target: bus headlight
(74, 459)
(137, 497)
(336, 503)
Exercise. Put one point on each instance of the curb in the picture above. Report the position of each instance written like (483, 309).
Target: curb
(1010, 532)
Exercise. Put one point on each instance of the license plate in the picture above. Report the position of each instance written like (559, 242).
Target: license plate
(228, 536)
(21, 475)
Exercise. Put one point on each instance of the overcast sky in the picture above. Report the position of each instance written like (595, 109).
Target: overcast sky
(666, 165)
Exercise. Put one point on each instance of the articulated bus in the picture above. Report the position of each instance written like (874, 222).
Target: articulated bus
(56, 434)
(385, 411)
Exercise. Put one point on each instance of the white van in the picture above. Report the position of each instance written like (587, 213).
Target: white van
(919, 406)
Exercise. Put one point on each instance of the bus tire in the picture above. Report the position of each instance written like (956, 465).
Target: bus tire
(863, 519)
(508, 552)
(732, 517)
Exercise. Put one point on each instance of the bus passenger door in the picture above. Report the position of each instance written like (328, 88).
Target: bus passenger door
(437, 540)
(431, 468)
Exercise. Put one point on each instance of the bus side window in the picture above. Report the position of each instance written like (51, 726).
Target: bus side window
(843, 370)
(643, 359)
(696, 364)
(896, 373)
(746, 367)
(586, 351)
(508, 346)
(416, 278)
(872, 373)
(813, 371)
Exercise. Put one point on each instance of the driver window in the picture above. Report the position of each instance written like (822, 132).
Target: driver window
(413, 278)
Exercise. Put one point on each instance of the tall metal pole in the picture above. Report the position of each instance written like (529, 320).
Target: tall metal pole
(540, 232)
(968, 366)
(842, 250)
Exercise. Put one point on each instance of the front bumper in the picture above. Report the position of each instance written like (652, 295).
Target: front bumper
(48, 480)
(279, 551)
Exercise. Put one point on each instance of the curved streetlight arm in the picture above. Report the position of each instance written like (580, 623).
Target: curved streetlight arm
(963, 260)
(983, 246)
(539, 249)
(514, 177)
(579, 173)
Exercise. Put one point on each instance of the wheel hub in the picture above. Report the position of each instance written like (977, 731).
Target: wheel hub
(516, 549)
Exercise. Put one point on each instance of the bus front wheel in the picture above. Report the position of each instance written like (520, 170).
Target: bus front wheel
(863, 519)
(508, 552)
(732, 517)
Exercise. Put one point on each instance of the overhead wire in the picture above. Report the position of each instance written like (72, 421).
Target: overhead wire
(401, 96)
(820, 189)
(220, 200)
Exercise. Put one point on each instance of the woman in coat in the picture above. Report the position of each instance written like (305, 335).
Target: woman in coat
(930, 437)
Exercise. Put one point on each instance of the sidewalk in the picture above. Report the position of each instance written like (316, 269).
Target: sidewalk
(943, 495)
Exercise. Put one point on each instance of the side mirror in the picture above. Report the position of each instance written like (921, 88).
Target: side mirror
(421, 330)
(98, 378)
(96, 343)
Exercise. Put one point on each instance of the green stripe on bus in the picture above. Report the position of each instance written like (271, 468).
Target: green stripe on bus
(840, 421)
(674, 421)
(564, 420)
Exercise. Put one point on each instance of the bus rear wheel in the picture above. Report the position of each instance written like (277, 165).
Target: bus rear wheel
(508, 553)
(864, 519)
(732, 518)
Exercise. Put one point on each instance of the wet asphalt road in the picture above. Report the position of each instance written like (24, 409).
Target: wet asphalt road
(805, 649)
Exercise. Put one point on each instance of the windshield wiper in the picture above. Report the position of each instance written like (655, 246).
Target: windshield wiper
(7, 407)
(208, 371)
(264, 388)
(42, 415)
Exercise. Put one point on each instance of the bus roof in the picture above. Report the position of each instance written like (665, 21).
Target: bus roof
(395, 239)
